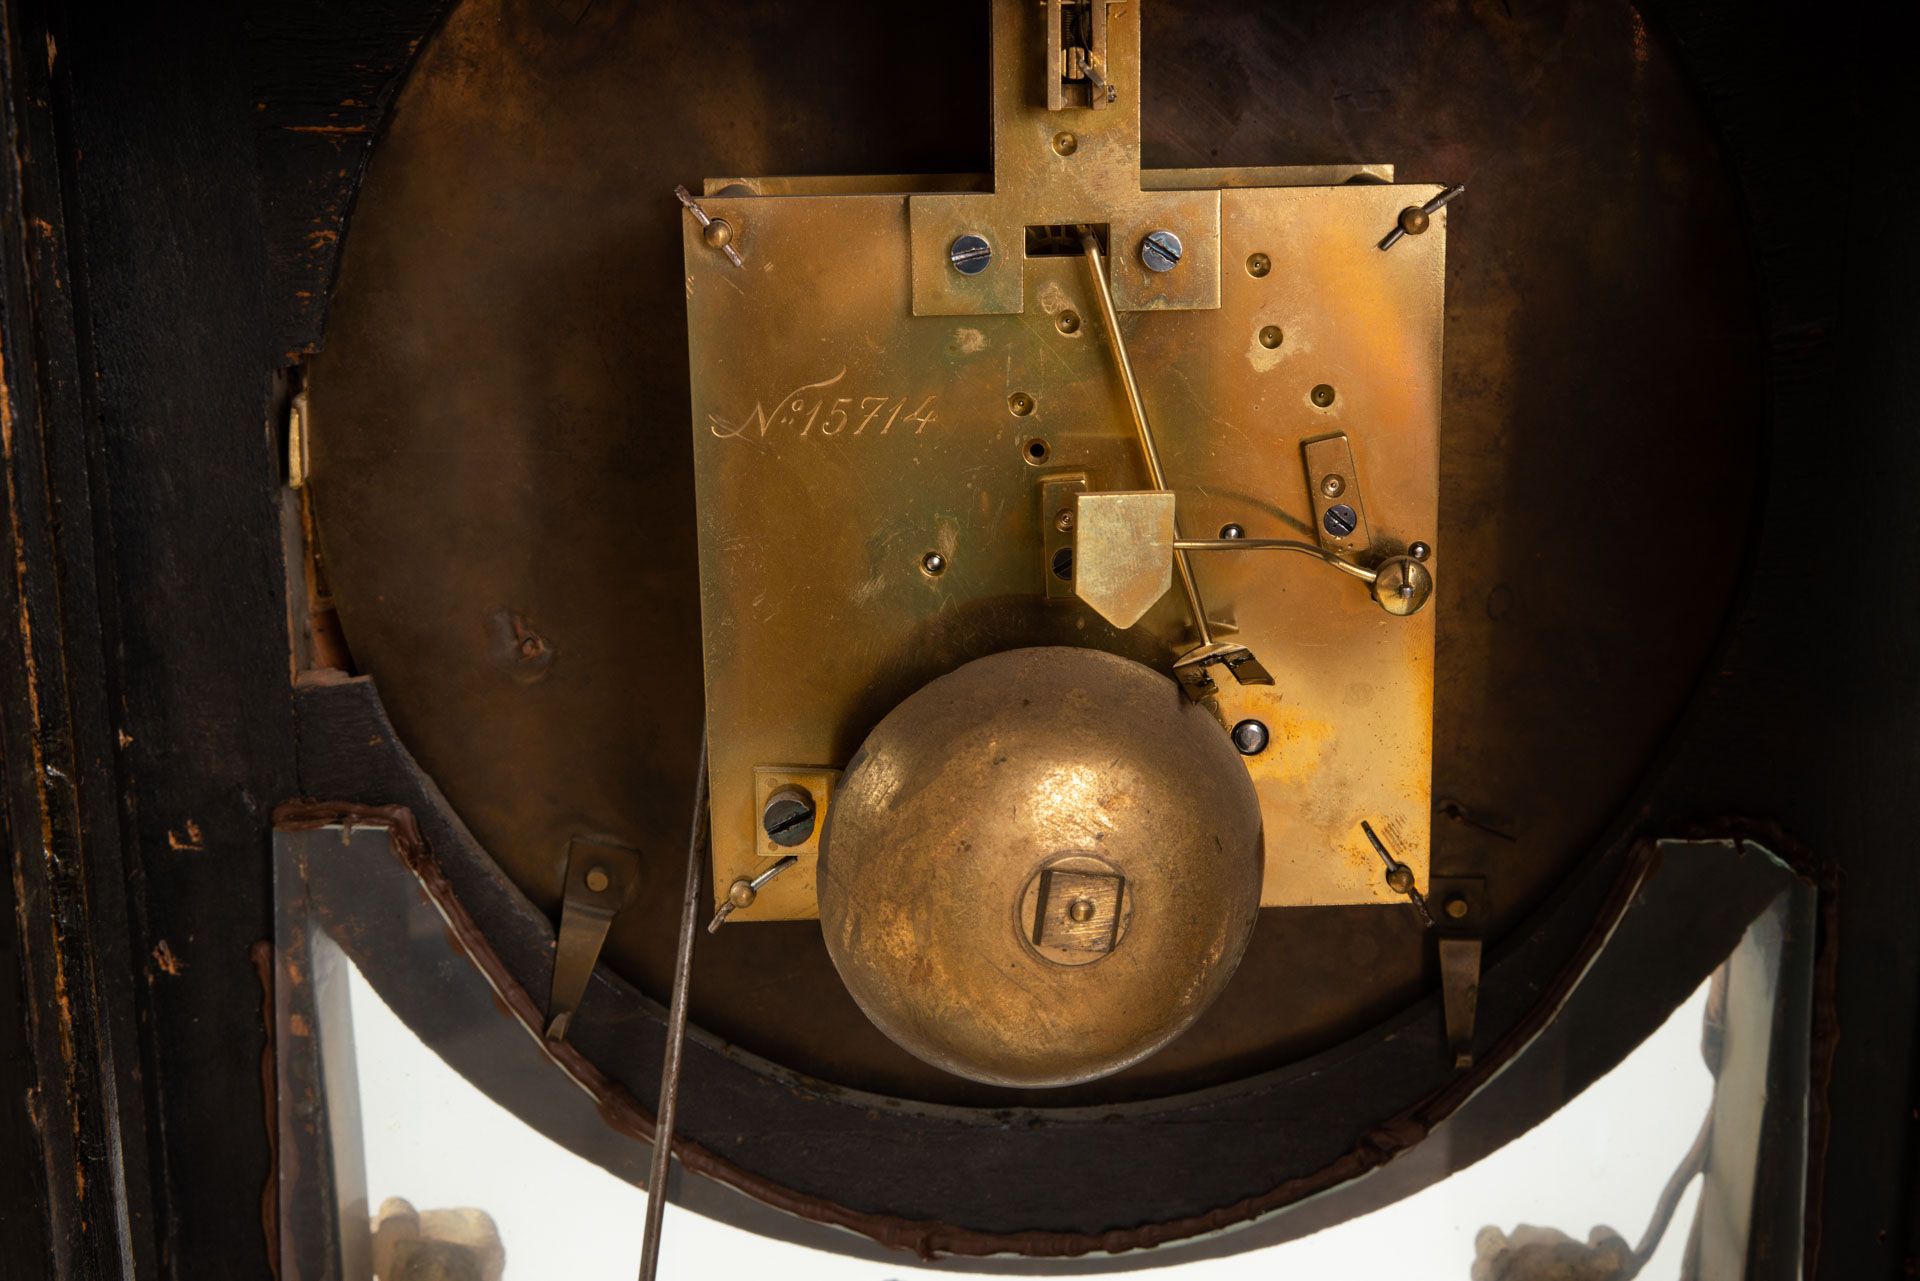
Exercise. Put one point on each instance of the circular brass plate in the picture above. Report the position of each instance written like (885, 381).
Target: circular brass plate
(501, 435)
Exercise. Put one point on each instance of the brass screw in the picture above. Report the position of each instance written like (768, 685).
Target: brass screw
(598, 880)
(1080, 911)
(1020, 403)
(1258, 265)
(1456, 907)
(1414, 220)
(1333, 486)
(1322, 395)
(718, 234)
(1065, 144)
(1063, 519)
(1270, 337)
(1069, 322)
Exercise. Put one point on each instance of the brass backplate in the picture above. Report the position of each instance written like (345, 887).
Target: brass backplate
(866, 471)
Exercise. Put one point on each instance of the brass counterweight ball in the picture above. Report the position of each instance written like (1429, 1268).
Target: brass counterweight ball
(1040, 868)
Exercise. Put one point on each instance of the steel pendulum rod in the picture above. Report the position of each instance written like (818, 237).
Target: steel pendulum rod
(1097, 269)
(676, 1029)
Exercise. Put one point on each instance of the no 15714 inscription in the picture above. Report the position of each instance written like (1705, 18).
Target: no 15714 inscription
(812, 409)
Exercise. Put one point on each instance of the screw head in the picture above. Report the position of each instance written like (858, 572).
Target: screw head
(1455, 907)
(1160, 251)
(788, 817)
(1414, 220)
(1333, 486)
(1232, 531)
(597, 879)
(1399, 878)
(718, 234)
(1419, 551)
(1340, 520)
(1258, 265)
(1322, 395)
(1250, 737)
(933, 564)
(970, 254)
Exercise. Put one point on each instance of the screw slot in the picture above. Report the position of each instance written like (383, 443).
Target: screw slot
(1160, 251)
(788, 817)
(1063, 564)
(1069, 322)
(970, 254)
(1065, 144)
(1340, 520)
(1020, 404)
(1258, 265)
(1036, 451)
(1270, 337)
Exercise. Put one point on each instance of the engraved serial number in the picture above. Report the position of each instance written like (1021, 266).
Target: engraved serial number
(812, 409)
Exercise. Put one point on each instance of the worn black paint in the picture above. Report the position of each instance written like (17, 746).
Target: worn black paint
(323, 78)
(70, 859)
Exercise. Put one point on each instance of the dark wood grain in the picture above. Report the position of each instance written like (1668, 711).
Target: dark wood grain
(323, 80)
(172, 276)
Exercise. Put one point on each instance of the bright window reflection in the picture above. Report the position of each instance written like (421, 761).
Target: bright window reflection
(439, 1143)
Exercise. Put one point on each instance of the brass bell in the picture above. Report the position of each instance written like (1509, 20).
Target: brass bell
(1041, 868)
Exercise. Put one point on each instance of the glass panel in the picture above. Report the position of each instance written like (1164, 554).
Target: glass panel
(389, 1154)
(434, 1140)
